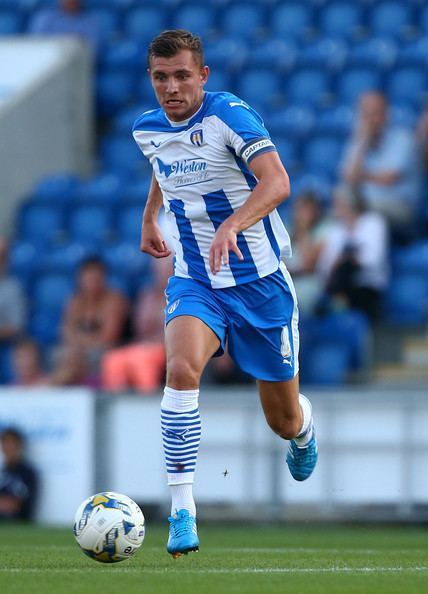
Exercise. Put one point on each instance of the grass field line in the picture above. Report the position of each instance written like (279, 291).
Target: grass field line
(219, 571)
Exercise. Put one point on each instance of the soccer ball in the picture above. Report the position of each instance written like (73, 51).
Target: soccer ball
(109, 527)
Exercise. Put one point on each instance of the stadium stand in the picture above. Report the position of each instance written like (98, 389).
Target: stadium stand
(303, 65)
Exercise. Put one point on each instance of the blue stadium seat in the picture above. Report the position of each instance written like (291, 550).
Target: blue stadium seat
(218, 80)
(414, 53)
(355, 81)
(40, 223)
(296, 121)
(412, 259)
(143, 23)
(392, 17)
(127, 54)
(89, 223)
(376, 52)
(126, 258)
(129, 224)
(51, 292)
(406, 300)
(225, 53)
(198, 18)
(243, 20)
(277, 53)
(11, 22)
(291, 20)
(23, 258)
(6, 365)
(288, 151)
(323, 153)
(336, 120)
(114, 90)
(404, 114)
(136, 191)
(259, 87)
(341, 19)
(423, 19)
(102, 189)
(407, 85)
(310, 86)
(125, 119)
(120, 154)
(324, 53)
(318, 182)
(324, 365)
(65, 257)
(45, 327)
(59, 187)
(108, 21)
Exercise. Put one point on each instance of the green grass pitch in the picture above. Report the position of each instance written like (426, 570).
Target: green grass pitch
(233, 559)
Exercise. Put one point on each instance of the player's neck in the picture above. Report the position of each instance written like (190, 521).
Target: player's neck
(184, 122)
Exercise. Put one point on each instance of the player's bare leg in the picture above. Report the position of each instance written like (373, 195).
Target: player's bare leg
(189, 345)
(289, 414)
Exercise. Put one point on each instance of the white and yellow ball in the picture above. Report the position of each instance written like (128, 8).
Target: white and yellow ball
(109, 527)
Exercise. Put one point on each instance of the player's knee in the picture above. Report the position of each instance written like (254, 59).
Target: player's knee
(287, 428)
(182, 374)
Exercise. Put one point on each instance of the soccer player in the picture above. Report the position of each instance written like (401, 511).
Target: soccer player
(218, 175)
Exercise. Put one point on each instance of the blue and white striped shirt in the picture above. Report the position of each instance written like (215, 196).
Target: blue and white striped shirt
(201, 166)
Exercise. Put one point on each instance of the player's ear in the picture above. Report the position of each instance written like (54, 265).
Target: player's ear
(205, 72)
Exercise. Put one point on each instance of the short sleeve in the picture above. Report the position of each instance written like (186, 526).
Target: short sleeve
(243, 129)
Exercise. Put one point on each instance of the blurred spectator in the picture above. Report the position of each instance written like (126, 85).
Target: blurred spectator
(96, 315)
(18, 479)
(71, 369)
(12, 303)
(68, 18)
(308, 235)
(141, 366)
(27, 364)
(383, 161)
(354, 259)
(12, 313)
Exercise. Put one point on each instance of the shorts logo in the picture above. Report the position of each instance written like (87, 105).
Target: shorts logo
(171, 309)
(286, 351)
(197, 137)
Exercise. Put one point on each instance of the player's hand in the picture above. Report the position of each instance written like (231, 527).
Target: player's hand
(224, 241)
(152, 241)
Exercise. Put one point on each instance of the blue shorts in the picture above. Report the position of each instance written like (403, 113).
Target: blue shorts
(259, 321)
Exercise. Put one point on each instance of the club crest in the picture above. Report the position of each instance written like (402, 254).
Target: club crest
(197, 138)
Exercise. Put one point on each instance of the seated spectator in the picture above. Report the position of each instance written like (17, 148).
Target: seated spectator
(27, 364)
(96, 315)
(68, 18)
(18, 479)
(70, 368)
(141, 366)
(12, 313)
(354, 259)
(308, 234)
(382, 160)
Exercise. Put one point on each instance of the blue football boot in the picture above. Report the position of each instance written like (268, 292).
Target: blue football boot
(302, 460)
(183, 534)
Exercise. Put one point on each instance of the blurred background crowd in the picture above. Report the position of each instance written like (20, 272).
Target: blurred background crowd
(341, 86)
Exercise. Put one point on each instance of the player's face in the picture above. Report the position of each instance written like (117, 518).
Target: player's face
(179, 84)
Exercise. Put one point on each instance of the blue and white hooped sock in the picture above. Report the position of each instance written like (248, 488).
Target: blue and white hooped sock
(181, 433)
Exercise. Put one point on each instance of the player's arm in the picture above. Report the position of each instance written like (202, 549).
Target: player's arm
(152, 241)
(273, 187)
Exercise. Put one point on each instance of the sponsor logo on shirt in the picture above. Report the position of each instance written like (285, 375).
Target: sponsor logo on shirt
(185, 172)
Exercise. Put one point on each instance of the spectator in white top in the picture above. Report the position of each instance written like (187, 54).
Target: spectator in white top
(382, 160)
(354, 259)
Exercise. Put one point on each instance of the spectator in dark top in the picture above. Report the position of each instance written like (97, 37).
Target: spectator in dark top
(68, 18)
(18, 479)
(382, 160)
(96, 315)
(354, 259)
